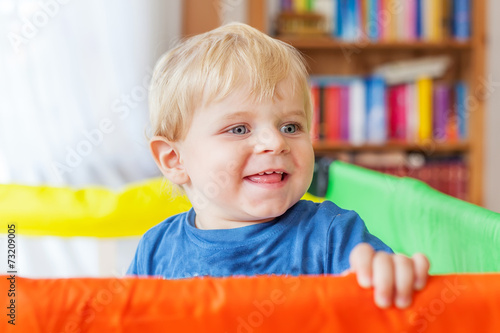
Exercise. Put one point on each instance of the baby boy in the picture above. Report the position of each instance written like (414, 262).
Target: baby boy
(231, 114)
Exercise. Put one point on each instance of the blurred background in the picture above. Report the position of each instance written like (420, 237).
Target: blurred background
(74, 79)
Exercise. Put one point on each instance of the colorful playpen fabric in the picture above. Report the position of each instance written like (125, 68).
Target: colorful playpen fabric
(410, 216)
(451, 303)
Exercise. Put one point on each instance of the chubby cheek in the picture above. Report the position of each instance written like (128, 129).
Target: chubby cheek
(305, 160)
(221, 171)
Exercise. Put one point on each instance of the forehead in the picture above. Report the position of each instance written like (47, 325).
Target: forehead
(243, 93)
(242, 101)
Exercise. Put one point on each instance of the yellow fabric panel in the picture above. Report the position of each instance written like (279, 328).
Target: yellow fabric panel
(92, 211)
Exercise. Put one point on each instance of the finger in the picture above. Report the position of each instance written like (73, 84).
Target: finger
(421, 267)
(361, 258)
(383, 279)
(404, 275)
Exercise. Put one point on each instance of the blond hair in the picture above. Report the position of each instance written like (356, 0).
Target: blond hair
(209, 66)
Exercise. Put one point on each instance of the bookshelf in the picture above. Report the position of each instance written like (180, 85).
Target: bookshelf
(326, 55)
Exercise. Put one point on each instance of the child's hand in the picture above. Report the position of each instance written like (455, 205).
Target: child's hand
(394, 277)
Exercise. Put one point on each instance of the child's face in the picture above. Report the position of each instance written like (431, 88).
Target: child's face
(247, 161)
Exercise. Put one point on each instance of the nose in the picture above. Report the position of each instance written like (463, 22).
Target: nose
(271, 141)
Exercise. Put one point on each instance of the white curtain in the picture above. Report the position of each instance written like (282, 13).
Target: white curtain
(73, 88)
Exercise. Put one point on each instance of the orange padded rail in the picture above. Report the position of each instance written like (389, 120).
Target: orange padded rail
(450, 303)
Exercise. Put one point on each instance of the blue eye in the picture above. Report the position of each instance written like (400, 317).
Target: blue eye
(289, 128)
(239, 130)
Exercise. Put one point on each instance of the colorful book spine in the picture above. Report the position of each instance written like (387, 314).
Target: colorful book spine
(357, 112)
(411, 19)
(391, 110)
(341, 17)
(309, 5)
(376, 119)
(441, 109)
(328, 9)
(286, 5)
(419, 20)
(299, 6)
(397, 112)
(461, 19)
(383, 18)
(452, 122)
(372, 24)
(412, 116)
(401, 8)
(436, 15)
(426, 17)
(461, 105)
(316, 110)
(424, 97)
(332, 112)
(344, 113)
(400, 112)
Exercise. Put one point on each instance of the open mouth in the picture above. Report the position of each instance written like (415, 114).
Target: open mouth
(268, 177)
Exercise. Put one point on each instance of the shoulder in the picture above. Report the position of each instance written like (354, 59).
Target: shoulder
(323, 219)
(169, 226)
(328, 220)
(326, 211)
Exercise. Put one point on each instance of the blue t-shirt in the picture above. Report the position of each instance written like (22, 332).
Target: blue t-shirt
(310, 238)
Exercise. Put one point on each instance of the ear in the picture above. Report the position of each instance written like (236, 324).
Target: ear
(167, 157)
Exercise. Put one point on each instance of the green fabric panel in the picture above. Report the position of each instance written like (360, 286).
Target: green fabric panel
(411, 217)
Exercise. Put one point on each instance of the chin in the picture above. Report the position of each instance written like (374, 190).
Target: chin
(269, 212)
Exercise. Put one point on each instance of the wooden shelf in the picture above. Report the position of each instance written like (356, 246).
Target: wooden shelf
(327, 43)
(427, 147)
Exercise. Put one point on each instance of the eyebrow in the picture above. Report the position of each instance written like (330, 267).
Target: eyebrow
(241, 114)
(300, 113)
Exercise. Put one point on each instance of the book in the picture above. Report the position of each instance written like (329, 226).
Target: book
(391, 111)
(436, 15)
(419, 28)
(426, 17)
(332, 112)
(400, 112)
(461, 107)
(441, 102)
(357, 112)
(452, 121)
(286, 5)
(424, 100)
(397, 112)
(461, 19)
(412, 116)
(376, 120)
(300, 6)
(328, 9)
(316, 109)
(372, 24)
(344, 113)
(411, 20)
